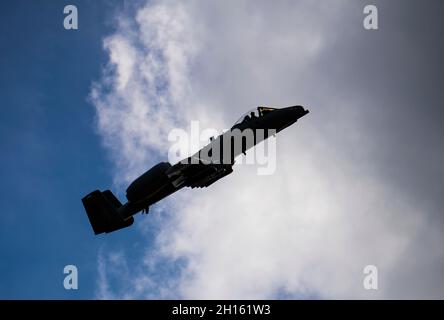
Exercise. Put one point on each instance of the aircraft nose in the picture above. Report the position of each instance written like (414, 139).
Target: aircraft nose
(298, 111)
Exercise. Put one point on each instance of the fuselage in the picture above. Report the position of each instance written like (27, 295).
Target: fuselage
(242, 136)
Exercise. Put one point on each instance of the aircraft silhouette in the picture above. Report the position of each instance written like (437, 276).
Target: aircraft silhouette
(213, 162)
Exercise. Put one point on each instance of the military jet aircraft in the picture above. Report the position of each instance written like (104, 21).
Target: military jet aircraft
(213, 162)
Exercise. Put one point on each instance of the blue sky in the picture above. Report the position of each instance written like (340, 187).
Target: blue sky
(51, 154)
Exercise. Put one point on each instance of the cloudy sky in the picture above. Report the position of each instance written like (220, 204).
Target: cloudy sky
(358, 181)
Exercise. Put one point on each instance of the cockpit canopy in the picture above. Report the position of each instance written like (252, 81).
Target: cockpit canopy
(254, 113)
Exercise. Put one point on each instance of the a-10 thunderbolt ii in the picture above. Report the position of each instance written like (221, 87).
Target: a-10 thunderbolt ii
(213, 162)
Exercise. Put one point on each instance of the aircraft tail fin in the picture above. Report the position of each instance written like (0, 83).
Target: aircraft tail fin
(101, 208)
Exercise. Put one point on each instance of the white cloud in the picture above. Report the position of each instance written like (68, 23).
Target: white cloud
(144, 92)
(306, 231)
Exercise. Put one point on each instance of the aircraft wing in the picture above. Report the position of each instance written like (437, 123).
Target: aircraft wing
(197, 175)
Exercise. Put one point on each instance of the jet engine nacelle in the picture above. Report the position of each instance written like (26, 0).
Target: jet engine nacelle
(149, 182)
